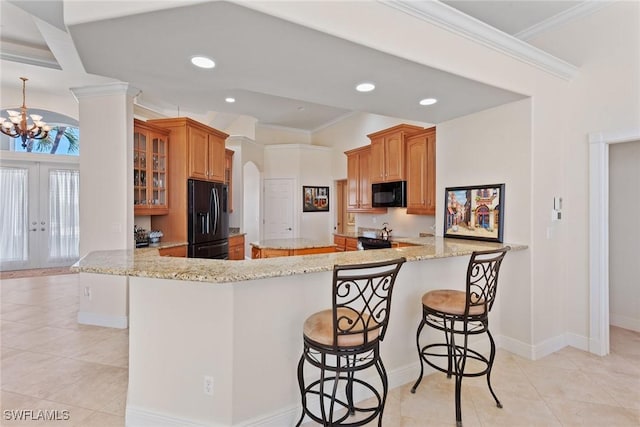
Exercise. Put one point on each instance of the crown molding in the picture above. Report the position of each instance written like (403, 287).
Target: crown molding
(283, 128)
(118, 88)
(459, 23)
(578, 11)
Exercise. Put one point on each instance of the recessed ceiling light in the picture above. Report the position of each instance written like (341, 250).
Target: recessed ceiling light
(230, 100)
(365, 87)
(202, 62)
(428, 101)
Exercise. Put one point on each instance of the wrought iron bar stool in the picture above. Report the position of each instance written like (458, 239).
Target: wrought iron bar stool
(460, 314)
(346, 339)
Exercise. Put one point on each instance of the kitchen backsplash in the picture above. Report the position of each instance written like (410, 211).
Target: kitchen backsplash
(401, 224)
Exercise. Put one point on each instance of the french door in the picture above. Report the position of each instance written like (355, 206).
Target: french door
(39, 214)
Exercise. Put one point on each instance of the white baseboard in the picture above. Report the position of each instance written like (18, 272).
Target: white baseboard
(515, 346)
(624, 322)
(87, 318)
(578, 341)
(137, 417)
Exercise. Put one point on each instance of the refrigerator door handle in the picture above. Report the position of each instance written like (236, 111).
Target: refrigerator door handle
(216, 210)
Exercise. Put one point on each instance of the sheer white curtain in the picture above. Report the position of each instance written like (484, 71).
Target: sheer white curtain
(13, 214)
(64, 214)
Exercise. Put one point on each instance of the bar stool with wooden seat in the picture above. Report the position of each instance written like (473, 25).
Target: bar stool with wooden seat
(460, 314)
(346, 339)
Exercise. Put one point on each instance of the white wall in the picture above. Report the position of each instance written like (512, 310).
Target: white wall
(278, 135)
(307, 165)
(494, 147)
(624, 235)
(604, 96)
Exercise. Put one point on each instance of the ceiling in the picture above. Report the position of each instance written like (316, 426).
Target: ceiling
(281, 73)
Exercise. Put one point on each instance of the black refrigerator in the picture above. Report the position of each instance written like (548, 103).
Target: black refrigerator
(208, 220)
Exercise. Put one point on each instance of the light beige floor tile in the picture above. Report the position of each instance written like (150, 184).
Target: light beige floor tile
(515, 411)
(75, 342)
(35, 337)
(101, 419)
(96, 391)
(558, 383)
(28, 411)
(573, 413)
(11, 329)
(117, 406)
(111, 351)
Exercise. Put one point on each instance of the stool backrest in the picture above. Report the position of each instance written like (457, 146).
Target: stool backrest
(362, 300)
(482, 279)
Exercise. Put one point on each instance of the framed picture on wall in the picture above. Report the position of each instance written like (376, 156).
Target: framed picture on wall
(315, 199)
(474, 212)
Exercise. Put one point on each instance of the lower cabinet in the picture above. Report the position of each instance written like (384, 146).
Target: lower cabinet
(236, 247)
(345, 243)
(275, 252)
(179, 251)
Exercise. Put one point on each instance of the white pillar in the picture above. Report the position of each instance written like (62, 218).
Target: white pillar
(106, 166)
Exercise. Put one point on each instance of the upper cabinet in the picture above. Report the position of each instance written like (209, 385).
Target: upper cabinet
(359, 181)
(228, 176)
(388, 153)
(421, 173)
(206, 153)
(196, 151)
(150, 166)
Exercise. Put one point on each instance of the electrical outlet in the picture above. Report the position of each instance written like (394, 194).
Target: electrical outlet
(208, 385)
(87, 292)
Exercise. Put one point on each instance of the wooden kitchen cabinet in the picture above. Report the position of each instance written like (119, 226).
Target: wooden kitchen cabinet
(359, 181)
(196, 151)
(150, 169)
(388, 153)
(177, 251)
(344, 243)
(236, 247)
(421, 173)
(228, 176)
(206, 153)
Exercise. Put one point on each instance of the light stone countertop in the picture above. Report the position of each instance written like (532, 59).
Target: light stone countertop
(297, 243)
(148, 263)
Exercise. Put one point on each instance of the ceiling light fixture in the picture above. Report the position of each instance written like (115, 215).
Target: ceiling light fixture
(365, 87)
(202, 62)
(18, 127)
(428, 101)
(230, 100)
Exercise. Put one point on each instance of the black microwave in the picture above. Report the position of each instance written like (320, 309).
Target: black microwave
(389, 194)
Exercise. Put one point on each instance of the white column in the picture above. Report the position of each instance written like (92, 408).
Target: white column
(106, 166)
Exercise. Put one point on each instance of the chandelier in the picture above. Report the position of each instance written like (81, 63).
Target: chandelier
(17, 125)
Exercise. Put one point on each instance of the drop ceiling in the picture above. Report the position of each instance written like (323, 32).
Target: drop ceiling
(281, 73)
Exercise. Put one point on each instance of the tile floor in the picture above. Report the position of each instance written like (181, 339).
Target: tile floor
(50, 362)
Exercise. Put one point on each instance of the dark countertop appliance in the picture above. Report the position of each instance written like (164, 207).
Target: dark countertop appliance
(389, 194)
(373, 243)
(208, 220)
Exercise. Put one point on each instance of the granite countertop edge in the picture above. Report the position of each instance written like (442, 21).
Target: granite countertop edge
(148, 263)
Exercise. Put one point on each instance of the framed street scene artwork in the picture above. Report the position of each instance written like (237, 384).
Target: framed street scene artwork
(474, 212)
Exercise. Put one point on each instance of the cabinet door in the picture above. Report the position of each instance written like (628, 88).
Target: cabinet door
(365, 179)
(421, 173)
(416, 165)
(158, 167)
(394, 157)
(215, 157)
(430, 184)
(198, 148)
(353, 181)
(228, 176)
(140, 143)
(377, 171)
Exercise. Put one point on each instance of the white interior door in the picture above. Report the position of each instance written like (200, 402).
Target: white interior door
(278, 209)
(39, 217)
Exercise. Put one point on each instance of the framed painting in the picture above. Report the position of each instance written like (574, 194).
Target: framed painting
(474, 212)
(315, 199)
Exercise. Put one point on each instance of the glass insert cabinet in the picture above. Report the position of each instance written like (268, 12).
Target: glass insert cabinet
(150, 164)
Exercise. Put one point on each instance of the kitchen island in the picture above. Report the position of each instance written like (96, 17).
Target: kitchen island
(240, 323)
(272, 248)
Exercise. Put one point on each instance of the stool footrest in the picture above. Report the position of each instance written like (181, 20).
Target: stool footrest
(426, 354)
(374, 411)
